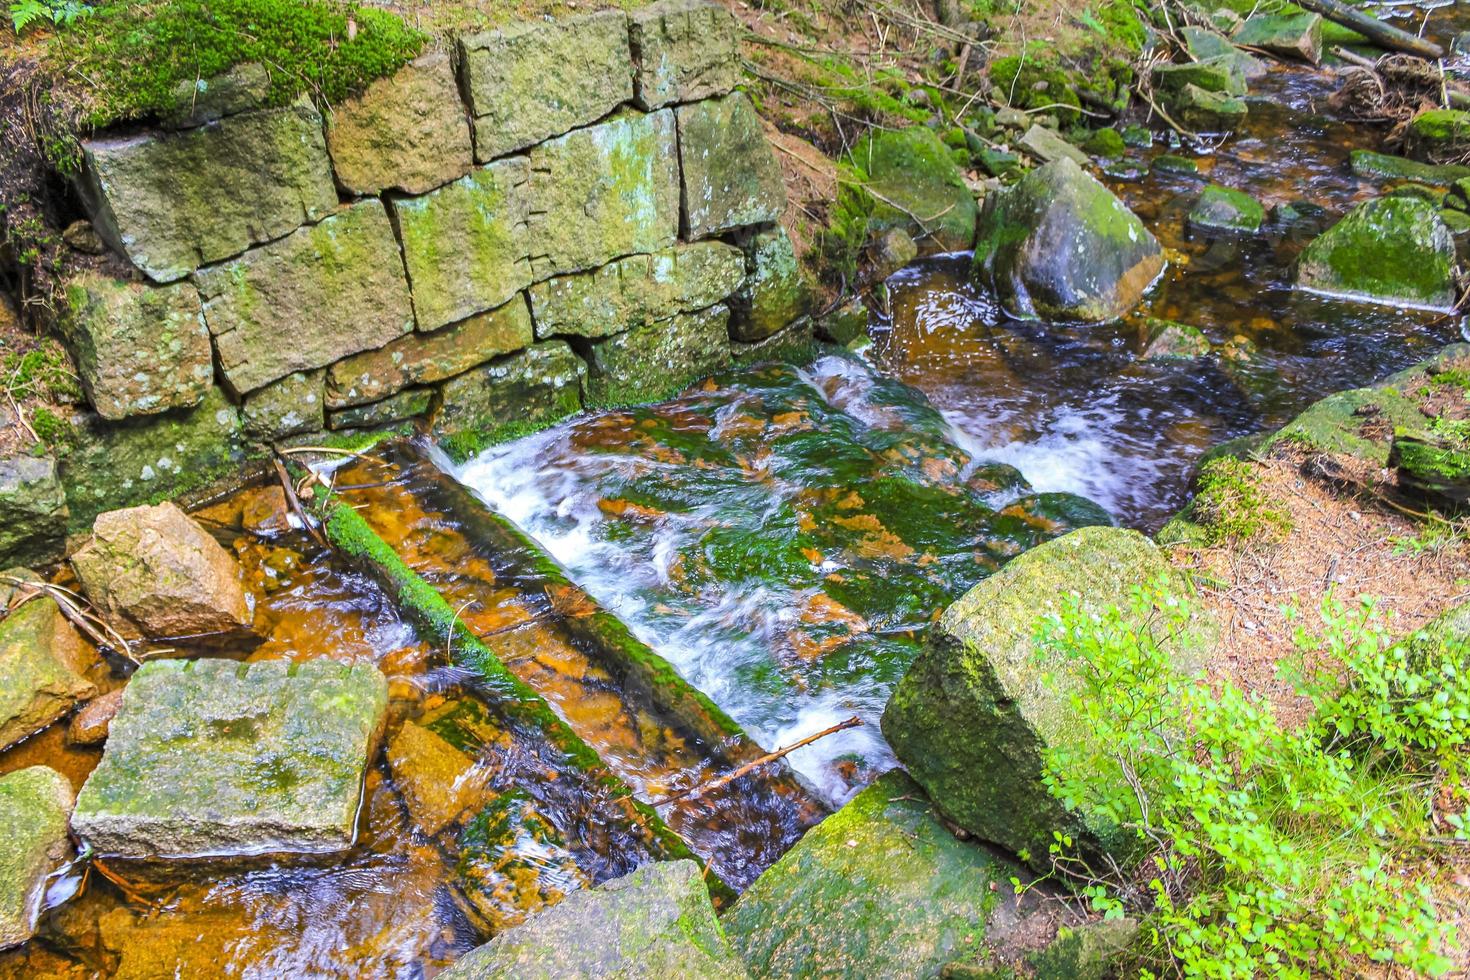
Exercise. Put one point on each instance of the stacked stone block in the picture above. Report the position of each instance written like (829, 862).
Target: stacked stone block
(556, 215)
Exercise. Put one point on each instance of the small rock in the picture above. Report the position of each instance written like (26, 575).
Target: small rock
(1012, 119)
(89, 726)
(1228, 210)
(156, 569)
(81, 236)
(34, 805)
(1212, 75)
(1138, 137)
(266, 512)
(33, 511)
(1204, 44)
(42, 662)
(1170, 163)
(890, 252)
(1046, 146)
(437, 781)
(1170, 341)
(1106, 143)
(1205, 111)
(845, 324)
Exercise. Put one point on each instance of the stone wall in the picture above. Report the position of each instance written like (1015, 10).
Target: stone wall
(556, 215)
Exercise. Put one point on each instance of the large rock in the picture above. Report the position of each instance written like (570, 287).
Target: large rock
(343, 277)
(1393, 250)
(977, 712)
(540, 383)
(288, 407)
(637, 290)
(34, 806)
(33, 512)
(465, 244)
(115, 464)
(603, 192)
(158, 570)
(683, 51)
(406, 132)
(407, 404)
(910, 181)
(538, 78)
(879, 889)
(651, 362)
(175, 201)
(655, 922)
(731, 175)
(217, 757)
(139, 349)
(1284, 35)
(41, 662)
(1058, 245)
(775, 293)
(423, 358)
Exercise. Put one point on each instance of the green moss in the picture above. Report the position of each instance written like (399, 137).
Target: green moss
(463, 445)
(1106, 143)
(1231, 507)
(1392, 249)
(132, 55)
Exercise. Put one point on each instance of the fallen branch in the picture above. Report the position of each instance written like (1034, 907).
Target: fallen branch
(295, 502)
(95, 627)
(1375, 30)
(749, 767)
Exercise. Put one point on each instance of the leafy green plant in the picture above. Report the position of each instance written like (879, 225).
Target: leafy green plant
(1276, 850)
(24, 13)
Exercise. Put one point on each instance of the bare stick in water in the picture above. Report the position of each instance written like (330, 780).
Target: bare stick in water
(1375, 30)
(750, 767)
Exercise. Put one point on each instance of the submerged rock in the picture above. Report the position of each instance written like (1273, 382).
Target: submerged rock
(977, 712)
(1383, 166)
(41, 663)
(218, 757)
(1226, 209)
(34, 805)
(1060, 246)
(1170, 341)
(879, 889)
(512, 864)
(1393, 250)
(158, 570)
(437, 780)
(655, 922)
(1211, 74)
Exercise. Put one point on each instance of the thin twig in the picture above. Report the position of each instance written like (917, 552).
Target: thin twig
(749, 767)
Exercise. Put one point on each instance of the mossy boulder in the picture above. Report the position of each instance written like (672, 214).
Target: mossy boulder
(139, 349)
(1384, 166)
(34, 806)
(1218, 74)
(656, 921)
(908, 179)
(976, 714)
(1203, 44)
(541, 383)
(1296, 35)
(218, 757)
(611, 190)
(540, 77)
(775, 293)
(1107, 143)
(879, 889)
(1224, 209)
(42, 659)
(731, 177)
(1438, 135)
(683, 51)
(1204, 111)
(343, 276)
(637, 290)
(33, 512)
(406, 132)
(1392, 250)
(172, 202)
(651, 362)
(423, 358)
(1058, 245)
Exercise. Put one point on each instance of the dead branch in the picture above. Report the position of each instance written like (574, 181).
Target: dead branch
(749, 767)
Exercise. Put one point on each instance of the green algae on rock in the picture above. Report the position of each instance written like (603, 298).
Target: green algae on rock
(34, 806)
(1228, 210)
(654, 922)
(731, 177)
(1170, 341)
(218, 757)
(976, 714)
(1058, 245)
(1392, 250)
(881, 888)
(41, 663)
(33, 512)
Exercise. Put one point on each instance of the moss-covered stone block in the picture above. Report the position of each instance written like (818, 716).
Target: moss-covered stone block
(976, 714)
(342, 276)
(537, 78)
(1392, 250)
(411, 403)
(33, 511)
(603, 192)
(1204, 111)
(543, 381)
(776, 293)
(139, 349)
(423, 358)
(651, 362)
(1384, 166)
(1058, 245)
(289, 407)
(656, 921)
(1297, 35)
(906, 179)
(41, 663)
(406, 132)
(1212, 74)
(1203, 44)
(1438, 134)
(637, 290)
(879, 889)
(34, 806)
(683, 51)
(465, 244)
(172, 202)
(731, 177)
(219, 757)
(1225, 209)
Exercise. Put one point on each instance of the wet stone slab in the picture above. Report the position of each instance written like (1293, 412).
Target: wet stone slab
(212, 757)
